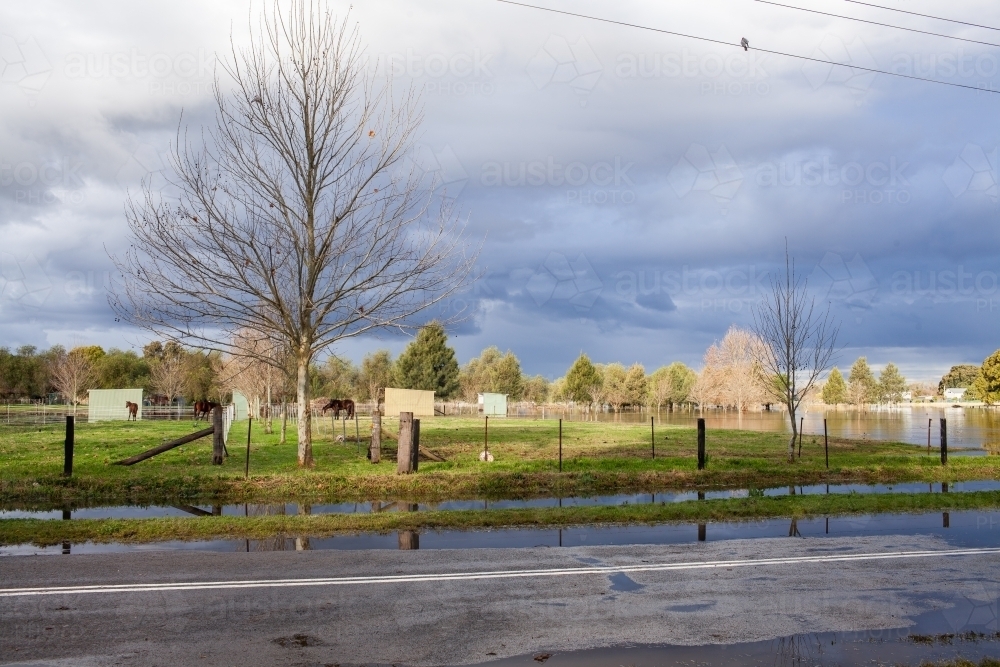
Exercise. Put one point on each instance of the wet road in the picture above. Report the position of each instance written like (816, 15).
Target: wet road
(434, 607)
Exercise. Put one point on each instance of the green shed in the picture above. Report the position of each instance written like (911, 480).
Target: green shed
(493, 405)
(242, 406)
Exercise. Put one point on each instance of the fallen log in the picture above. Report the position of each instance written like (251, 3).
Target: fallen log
(150, 453)
(426, 453)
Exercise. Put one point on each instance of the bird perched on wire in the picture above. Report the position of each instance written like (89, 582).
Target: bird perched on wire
(745, 44)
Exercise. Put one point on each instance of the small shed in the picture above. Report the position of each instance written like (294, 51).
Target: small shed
(417, 401)
(109, 404)
(242, 405)
(493, 405)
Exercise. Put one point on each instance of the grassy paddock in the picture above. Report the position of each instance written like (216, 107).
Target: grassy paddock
(45, 532)
(598, 457)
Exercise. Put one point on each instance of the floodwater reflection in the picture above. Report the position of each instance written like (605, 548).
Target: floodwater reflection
(968, 427)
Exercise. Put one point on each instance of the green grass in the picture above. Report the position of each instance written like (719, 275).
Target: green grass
(45, 532)
(598, 457)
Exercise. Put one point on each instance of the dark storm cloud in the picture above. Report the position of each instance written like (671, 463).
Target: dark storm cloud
(635, 191)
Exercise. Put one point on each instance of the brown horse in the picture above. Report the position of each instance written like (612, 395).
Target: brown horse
(203, 409)
(338, 404)
(133, 410)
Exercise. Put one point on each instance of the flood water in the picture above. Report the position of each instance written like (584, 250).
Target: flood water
(968, 428)
(375, 506)
(961, 529)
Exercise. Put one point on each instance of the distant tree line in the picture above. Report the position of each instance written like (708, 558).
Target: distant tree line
(861, 387)
(731, 376)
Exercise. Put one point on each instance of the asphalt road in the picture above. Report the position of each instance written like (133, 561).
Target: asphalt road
(451, 607)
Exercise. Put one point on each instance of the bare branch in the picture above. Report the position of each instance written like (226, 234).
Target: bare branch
(297, 218)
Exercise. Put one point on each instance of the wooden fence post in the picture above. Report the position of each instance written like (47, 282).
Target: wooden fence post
(68, 449)
(415, 448)
(944, 441)
(408, 539)
(404, 458)
(826, 445)
(701, 443)
(218, 444)
(652, 437)
(375, 451)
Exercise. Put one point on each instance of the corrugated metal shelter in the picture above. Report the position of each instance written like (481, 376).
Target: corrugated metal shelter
(109, 404)
(494, 405)
(417, 401)
(242, 406)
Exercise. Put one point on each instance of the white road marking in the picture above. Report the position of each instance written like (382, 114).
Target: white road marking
(497, 574)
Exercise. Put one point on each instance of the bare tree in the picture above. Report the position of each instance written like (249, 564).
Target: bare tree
(296, 216)
(734, 365)
(72, 374)
(799, 341)
(704, 388)
(169, 376)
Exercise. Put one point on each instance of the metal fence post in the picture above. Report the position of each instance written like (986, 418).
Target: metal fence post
(701, 443)
(68, 451)
(560, 444)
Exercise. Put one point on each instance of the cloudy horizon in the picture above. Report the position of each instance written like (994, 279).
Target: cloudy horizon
(633, 191)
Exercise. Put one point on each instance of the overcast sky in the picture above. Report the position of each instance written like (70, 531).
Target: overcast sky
(634, 189)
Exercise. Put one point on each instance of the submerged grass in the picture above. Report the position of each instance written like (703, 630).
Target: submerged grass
(598, 457)
(46, 532)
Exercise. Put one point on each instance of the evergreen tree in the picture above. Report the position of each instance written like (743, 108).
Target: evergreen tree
(428, 363)
(536, 389)
(962, 375)
(682, 379)
(340, 378)
(376, 375)
(891, 384)
(861, 383)
(581, 379)
(505, 377)
(987, 384)
(636, 387)
(476, 376)
(615, 392)
(835, 389)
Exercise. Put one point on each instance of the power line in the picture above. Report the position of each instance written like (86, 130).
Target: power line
(884, 25)
(737, 45)
(926, 16)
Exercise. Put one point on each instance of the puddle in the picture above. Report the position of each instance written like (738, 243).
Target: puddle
(139, 512)
(960, 529)
(911, 646)
(623, 583)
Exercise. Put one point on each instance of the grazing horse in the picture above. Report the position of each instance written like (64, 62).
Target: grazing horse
(338, 404)
(133, 410)
(203, 409)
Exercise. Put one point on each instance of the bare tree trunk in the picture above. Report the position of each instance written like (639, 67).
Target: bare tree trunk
(304, 422)
(267, 417)
(284, 421)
